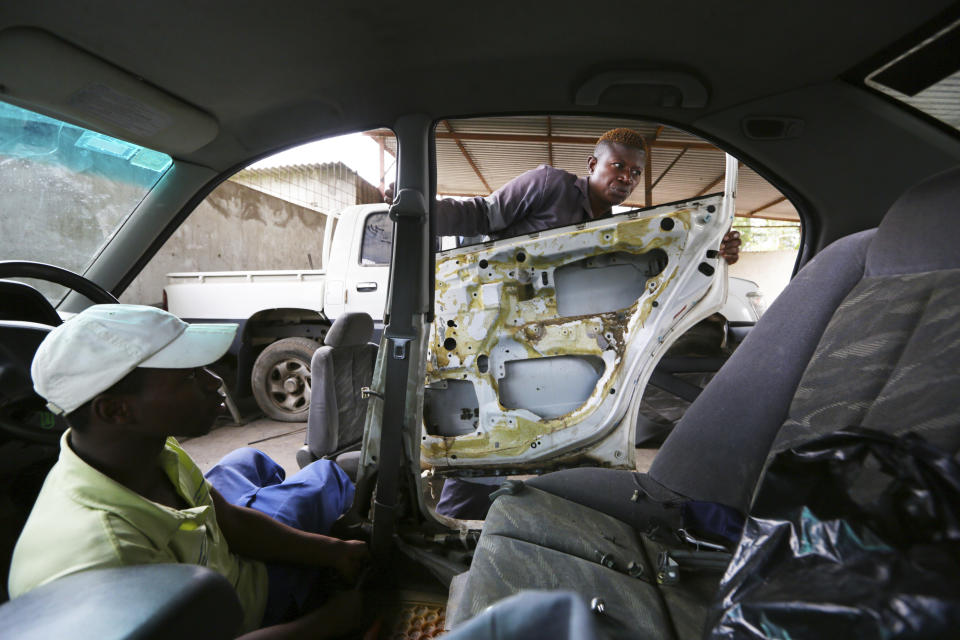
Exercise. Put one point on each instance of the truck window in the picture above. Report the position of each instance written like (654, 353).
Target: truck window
(377, 244)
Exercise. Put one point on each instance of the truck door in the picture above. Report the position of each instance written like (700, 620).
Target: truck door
(367, 266)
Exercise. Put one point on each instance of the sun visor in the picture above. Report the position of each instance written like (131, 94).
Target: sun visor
(71, 84)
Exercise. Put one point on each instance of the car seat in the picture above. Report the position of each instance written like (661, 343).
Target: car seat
(867, 334)
(338, 370)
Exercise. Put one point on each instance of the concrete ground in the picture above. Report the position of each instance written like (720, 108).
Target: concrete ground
(280, 441)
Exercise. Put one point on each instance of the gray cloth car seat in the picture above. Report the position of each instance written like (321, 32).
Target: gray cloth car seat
(338, 370)
(867, 334)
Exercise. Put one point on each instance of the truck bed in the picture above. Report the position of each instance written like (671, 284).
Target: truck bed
(236, 295)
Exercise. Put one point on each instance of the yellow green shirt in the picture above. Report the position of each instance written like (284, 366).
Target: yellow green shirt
(84, 520)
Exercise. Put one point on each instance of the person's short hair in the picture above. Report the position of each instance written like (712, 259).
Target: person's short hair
(620, 135)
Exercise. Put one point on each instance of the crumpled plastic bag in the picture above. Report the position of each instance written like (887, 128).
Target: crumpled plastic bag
(853, 535)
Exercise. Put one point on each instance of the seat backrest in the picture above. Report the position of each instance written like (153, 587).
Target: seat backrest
(867, 334)
(338, 370)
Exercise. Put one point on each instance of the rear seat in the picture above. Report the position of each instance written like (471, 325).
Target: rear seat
(867, 334)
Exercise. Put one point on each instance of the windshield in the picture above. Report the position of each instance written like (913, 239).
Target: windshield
(66, 190)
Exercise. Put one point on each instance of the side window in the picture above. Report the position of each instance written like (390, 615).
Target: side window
(478, 157)
(269, 249)
(377, 243)
(581, 244)
(278, 215)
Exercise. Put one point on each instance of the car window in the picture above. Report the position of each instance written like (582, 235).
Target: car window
(377, 243)
(279, 214)
(479, 156)
(66, 189)
(568, 256)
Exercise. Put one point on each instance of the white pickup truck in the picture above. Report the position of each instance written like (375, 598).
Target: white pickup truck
(284, 315)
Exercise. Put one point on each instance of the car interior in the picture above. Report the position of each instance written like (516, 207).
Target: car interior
(851, 110)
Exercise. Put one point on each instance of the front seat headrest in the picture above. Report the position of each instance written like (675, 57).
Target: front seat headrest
(920, 232)
(350, 330)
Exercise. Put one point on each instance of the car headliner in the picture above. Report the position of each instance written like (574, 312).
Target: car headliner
(274, 75)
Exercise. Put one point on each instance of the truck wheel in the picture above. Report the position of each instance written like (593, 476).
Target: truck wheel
(281, 379)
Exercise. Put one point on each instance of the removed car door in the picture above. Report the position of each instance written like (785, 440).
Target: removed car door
(542, 344)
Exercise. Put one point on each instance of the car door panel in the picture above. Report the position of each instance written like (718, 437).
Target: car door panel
(543, 343)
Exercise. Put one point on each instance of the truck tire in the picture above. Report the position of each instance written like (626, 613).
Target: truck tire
(281, 379)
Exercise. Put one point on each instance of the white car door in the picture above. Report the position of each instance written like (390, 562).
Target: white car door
(542, 344)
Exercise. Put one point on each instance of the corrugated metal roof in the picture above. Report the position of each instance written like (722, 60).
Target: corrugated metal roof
(499, 159)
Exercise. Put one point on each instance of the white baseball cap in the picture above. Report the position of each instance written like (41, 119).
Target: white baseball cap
(96, 348)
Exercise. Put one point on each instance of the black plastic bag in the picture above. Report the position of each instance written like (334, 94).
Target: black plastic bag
(855, 535)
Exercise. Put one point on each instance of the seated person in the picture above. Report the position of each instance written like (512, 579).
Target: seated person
(123, 492)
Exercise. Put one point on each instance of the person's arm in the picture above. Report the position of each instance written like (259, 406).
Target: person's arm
(483, 216)
(256, 535)
(462, 217)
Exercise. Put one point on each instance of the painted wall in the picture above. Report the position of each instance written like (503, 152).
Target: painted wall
(771, 270)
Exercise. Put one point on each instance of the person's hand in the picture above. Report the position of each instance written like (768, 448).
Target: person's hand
(388, 193)
(730, 247)
(352, 557)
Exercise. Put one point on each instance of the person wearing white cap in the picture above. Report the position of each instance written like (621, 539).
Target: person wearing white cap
(127, 378)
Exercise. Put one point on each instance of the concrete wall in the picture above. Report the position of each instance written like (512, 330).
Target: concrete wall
(771, 270)
(235, 228)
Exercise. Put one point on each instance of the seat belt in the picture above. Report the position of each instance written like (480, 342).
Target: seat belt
(409, 214)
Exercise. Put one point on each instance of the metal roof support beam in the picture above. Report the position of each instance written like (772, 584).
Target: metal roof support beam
(463, 150)
(795, 221)
(749, 214)
(710, 186)
(669, 166)
(533, 137)
(381, 135)
(584, 140)
(549, 142)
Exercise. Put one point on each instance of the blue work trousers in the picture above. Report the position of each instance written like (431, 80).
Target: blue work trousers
(310, 500)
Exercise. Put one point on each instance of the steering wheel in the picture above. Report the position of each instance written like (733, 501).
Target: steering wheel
(57, 275)
(25, 319)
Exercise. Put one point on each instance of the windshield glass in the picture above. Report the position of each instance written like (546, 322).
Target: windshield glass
(66, 190)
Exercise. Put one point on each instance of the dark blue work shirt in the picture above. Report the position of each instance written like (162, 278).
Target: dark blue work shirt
(542, 198)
